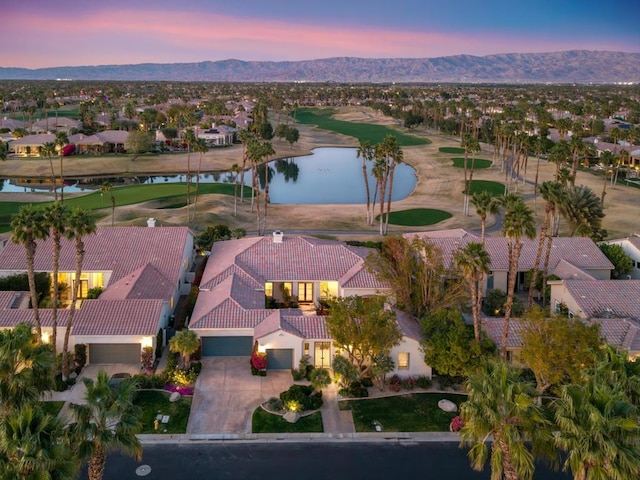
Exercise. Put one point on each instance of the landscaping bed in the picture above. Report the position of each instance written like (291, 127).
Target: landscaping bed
(266, 422)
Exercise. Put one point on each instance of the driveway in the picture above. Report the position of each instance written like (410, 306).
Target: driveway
(226, 394)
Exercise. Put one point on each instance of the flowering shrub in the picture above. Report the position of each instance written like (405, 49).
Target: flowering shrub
(395, 383)
(181, 389)
(408, 383)
(456, 424)
(146, 358)
(259, 360)
(181, 377)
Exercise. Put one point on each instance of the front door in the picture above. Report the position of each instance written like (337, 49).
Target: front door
(305, 292)
(322, 355)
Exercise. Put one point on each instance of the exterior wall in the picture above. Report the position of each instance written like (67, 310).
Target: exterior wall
(281, 339)
(416, 358)
(185, 266)
(633, 253)
(141, 340)
(362, 292)
(559, 294)
(603, 274)
(224, 332)
(47, 333)
(500, 280)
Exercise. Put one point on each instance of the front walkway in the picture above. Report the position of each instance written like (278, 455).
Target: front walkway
(334, 420)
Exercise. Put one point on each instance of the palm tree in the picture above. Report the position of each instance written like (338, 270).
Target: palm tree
(108, 421)
(26, 368)
(27, 226)
(235, 171)
(33, 445)
(200, 147)
(607, 159)
(266, 150)
(485, 204)
(470, 144)
(597, 427)
(56, 217)
(582, 210)
(80, 225)
(189, 137)
(365, 151)
(518, 222)
(381, 171)
(473, 261)
(243, 136)
(502, 405)
(396, 157)
(185, 342)
(61, 141)
(48, 150)
(107, 188)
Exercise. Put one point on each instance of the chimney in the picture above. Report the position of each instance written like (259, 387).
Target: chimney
(151, 222)
(278, 236)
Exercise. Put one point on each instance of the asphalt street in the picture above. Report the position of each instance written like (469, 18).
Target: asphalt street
(306, 461)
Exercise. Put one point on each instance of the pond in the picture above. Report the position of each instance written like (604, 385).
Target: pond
(328, 175)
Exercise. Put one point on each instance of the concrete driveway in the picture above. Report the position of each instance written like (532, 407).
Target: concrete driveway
(226, 394)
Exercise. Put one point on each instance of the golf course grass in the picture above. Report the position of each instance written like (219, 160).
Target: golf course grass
(458, 162)
(417, 217)
(451, 150)
(363, 131)
(494, 188)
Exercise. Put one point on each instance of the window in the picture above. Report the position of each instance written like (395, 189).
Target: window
(556, 306)
(305, 292)
(306, 348)
(268, 289)
(403, 360)
(286, 288)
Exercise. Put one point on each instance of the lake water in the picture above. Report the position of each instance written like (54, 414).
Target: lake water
(328, 175)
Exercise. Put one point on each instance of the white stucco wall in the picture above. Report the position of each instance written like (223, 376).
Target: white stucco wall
(416, 358)
(282, 339)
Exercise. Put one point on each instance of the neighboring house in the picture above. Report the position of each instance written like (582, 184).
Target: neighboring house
(218, 135)
(143, 272)
(30, 145)
(108, 141)
(53, 124)
(571, 257)
(244, 277)
(631, 246)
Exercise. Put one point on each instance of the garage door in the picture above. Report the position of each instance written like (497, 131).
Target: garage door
(280, 359)
(227, 346)
(114, 353)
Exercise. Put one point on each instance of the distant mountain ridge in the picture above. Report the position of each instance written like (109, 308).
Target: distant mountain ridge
(575, 66)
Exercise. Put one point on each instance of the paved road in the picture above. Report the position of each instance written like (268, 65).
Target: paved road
(307, 461)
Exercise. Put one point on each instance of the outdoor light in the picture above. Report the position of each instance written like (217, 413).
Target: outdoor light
(262, 348)
(146, 342)
(46, 336)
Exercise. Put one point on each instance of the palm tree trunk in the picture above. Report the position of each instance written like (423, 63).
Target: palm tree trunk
(53, 180)
(54, 307)
(30, 253)
(72, 308)
(536, 265)
(366, 186)
(386, 221)
(514, 255)
(545, 270)
(266, 195)
(61, 177)
(382, 198)
(97, 463)
(473, 286)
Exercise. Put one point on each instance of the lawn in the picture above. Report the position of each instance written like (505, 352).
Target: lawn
(265, 422)
(451, 150)
(52, 408)
(417, 217)
(363, 131)
(458, 162)
(402, 413)
(153, 402)
(494, 188)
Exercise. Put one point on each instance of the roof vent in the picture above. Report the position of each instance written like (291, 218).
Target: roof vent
(278, 236)
(151, 222)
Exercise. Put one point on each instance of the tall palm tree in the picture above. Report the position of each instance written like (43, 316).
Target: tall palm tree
(107, 188)
(79, 226)
(27, 226)
(518, 223)
(61, 141)
(473, 261)
(266, 150)
(396, 156)
(365, 151)
(108, 421)
(501, 405)
(49, 150)
(597, 427)
(607, 159)
(202, 148)
(185, 342)
(381, 169)
(470, 145)
(485, 204)
(189, 137)
(243, 136)
(235, 171)
(33, 445)
(56, 216)
(26, 368)
(582, 210)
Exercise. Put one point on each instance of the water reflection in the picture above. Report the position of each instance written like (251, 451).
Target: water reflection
(328, 175)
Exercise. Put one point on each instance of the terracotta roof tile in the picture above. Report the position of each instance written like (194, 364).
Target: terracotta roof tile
(145, 282)
(619, 298)
(118, 317)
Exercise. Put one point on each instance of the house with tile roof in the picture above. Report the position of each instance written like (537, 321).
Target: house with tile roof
(631, 246)
(246, 279)
(143, 272)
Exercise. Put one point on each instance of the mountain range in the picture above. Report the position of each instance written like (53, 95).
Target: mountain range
(575, 66)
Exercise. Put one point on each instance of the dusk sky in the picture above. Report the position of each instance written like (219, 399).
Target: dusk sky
(46, 33)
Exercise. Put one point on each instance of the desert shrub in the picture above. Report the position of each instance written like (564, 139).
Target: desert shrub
(495, 300)
(149, 381)
(180, 377)
(296, 374)
(146, 358)
(423, 381)
(274, 404)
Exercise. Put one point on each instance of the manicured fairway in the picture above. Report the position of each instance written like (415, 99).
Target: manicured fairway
(494, 188)
(451, 150)
(364, 131)
(418, 217)
(458, 162)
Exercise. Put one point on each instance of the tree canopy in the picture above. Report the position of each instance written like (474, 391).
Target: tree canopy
(622, 263)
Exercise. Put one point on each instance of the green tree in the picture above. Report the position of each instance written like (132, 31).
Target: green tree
(27, 226)
(319, 378)
(138, 142)
(545, 349)
(292, 135)
(186, 343)
(108, 421)
(582, 210)
(107, 189)
(622, 263)
(189, 138)
(79, 226)
(485, 204)
(449, 345)
(396, 156)
(473, 262)
(502, 405)
(33, 445)
(363, 328)
(518, 222)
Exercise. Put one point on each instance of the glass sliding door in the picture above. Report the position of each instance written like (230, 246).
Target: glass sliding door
(322, 355)
(305, 292)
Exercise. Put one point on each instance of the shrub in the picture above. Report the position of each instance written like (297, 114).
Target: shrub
(181, 389)
(302, 394)
(274, 404)
(456, 424)
(297, 375)
(94, 293)
(80, 354)
(259, 360)
(159, 342)
(408, 383)
(357, 390)
(196, 368)
(146, 358)
(149, 381)
(366, 382)
(180, 377)
(423, 381)
(395, 383)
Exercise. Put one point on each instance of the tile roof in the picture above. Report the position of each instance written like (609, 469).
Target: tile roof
(118, 317)
(619, 298)
(566, 270)
(409, 325)
(310, 327)
(493, 327)
(145, 282)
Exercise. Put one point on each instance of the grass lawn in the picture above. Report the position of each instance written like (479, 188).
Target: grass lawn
(52, 408)
(364, 131)
(494, 188)
(458, 162)
(451, 150)
(417, 217)
(265, 422)
(403, 413)
(153, 402)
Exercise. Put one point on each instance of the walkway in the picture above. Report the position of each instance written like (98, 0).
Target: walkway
(334, 420)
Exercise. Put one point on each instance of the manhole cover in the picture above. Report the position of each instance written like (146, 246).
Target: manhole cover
(143, 470)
